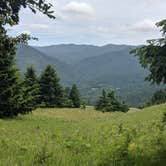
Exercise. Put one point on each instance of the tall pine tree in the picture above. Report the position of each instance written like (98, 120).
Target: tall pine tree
(12, 101)
(51, 92)
(102, 102)
(31, 88)
(75, 97)
(10, 94)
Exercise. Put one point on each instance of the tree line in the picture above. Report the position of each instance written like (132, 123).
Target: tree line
(22, 95)
(34, 91)
(19, 95)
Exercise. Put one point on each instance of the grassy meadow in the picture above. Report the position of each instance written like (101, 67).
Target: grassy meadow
(75, 137)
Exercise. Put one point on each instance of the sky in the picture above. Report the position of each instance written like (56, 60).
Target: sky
(97, 22)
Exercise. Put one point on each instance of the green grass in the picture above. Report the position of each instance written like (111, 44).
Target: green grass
(73, 137)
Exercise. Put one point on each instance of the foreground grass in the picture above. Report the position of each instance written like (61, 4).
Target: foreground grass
(73, 137)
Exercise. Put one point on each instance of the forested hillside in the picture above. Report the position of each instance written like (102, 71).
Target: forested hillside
(92, 68)
(27, 56)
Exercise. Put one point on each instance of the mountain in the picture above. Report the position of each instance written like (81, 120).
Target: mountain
(93, 68)
(114, 63)
(72, 54)
(117, 70)
(27, 55)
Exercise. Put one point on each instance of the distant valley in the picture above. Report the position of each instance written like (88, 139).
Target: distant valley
(92, 68)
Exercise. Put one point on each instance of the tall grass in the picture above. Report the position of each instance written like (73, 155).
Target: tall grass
(73, 137)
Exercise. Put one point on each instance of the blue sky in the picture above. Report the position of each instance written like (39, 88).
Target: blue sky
(96, 22)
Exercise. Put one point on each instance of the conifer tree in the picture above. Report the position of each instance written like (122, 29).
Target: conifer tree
(31, 88)
(11, 93)
(109, 103)
(12, 101)
(51, 92)
(102, 102)
(75, 97)
(114, 104)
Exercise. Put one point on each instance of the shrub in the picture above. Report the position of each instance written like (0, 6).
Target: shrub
(109, 103)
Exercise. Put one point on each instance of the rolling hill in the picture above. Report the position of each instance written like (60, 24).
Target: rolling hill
(27, 55)
(93, 68)
(72, 53)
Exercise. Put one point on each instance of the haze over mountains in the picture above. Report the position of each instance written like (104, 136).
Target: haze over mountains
(92, 68)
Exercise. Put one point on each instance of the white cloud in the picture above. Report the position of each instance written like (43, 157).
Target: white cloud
(37, 26)
(29, 28)
(96, 21)
(104, 30)
(144, 26)
(79, 8)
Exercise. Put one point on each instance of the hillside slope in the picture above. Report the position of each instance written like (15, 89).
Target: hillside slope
(27, 55)
(93, 68)
(72, 53)
(74, 137)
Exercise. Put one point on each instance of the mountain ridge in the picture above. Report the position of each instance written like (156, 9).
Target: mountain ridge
(93, 68)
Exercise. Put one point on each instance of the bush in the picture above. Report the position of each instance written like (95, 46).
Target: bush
(109, 103)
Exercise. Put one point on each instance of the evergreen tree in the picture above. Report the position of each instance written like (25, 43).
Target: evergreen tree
(75, 97)
(109, 103)
(51, 92)
(31, 88)
(12, 101)
(102, 103)
(114, 104)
